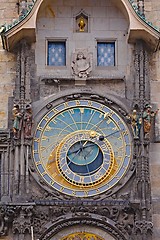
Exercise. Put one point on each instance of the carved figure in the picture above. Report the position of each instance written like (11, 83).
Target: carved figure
(28, 122)
(148, 115)
(17, 124)
(81, 65)
(136, 122)
(81, 24)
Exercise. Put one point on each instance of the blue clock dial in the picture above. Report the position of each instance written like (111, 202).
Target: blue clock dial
(82, 148)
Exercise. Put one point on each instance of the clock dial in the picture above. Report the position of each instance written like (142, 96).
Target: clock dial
(82, 148)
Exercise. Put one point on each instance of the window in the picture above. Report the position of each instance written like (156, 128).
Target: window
(56, 53)
(106, 54)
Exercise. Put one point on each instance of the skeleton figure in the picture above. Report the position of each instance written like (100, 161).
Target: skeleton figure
(28, 122)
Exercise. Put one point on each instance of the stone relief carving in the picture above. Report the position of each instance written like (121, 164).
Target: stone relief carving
(81, 64)
(47, 220)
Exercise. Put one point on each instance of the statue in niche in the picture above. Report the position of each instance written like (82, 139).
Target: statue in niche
(81, 24)
(17, 123)
(148, 116)
(28, 122)
(136, 122)
(81, 64)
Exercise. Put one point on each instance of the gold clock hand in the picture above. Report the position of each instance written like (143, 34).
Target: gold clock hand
(101, 138)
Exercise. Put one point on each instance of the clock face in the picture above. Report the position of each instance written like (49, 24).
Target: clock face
(82, 148)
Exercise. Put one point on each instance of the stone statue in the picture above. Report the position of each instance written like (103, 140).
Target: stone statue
(136, 122)
(148, 116)
(81, 24)
(81, 64)
(28, 122)
(17, 123)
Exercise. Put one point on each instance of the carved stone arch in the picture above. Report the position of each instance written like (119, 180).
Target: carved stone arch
(106, 225)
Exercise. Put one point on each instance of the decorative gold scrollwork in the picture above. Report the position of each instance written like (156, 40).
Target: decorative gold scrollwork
(82, 236)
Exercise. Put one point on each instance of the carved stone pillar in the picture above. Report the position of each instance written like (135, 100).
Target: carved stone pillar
(142, 96)
(22, 135)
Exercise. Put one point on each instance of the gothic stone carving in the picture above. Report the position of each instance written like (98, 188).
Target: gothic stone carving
(81, 64)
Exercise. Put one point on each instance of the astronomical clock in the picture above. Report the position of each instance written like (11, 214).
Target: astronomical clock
(82, 148)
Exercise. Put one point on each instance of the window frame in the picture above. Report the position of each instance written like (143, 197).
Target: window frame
(56, 40)
(110, 40)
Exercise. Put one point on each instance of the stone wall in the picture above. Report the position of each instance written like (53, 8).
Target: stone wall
(8, 12)
(153, 14)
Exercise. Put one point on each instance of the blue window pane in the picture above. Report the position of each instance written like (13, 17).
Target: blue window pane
(56, 54)
(105, 54)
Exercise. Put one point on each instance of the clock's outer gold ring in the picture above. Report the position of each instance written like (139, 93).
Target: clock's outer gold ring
(87, 138)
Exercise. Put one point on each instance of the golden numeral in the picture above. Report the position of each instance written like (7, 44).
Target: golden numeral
(52, 182)
(37, 163)
(82, 110)
(55, 110)
(119, 158)
(54, 175)
(106, 115)
(89, 103)
(36, 140)
(35, 151)
(109, 121)
(61, 189)
(54, 121)
(46, 118)
(66, 105)
(48, 128)
(115, 167)
(120, 148)
(82, 179)
(39, 128)
(42, 148)
(98, 175)
(48, 167)
(125, 133)
(44, 138)
(101, 107)
(71, 111)
(73, 193)
(43, 173)
(86, 193)
(78, 102)
(67, 171)
(101, 115)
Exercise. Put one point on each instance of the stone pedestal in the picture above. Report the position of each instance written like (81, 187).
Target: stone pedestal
(80, 81)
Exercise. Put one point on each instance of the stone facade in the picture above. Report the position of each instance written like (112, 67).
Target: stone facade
(131, 208)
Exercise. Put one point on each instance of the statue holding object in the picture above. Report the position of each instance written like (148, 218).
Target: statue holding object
(17, 122)
(148, 116)
(81, 64)
(22, 119)
(28, 122)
